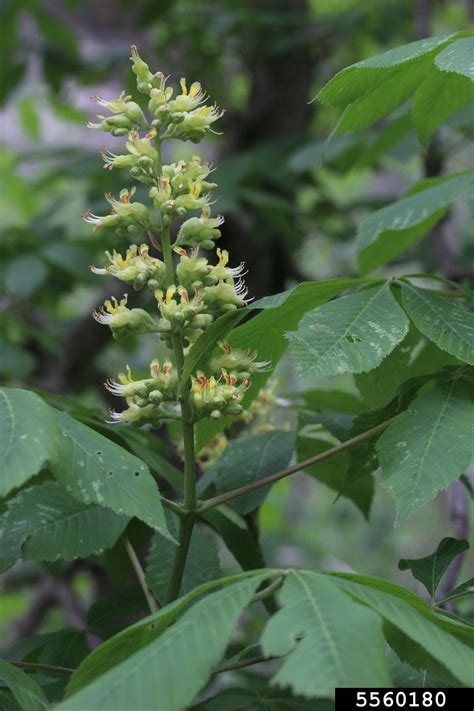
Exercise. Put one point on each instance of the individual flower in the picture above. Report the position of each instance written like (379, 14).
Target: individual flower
(124, 321)
(176, 306)
(125, 214)
(236, 360)
(216, 397)
(190, 99)
(224, 297)
(136, 267)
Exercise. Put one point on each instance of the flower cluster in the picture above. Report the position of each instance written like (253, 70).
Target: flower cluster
(150, 400)
(191, 291)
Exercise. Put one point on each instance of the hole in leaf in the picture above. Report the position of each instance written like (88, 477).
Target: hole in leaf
(110, 472)
(353, 339)
(99, 453)
(137, 473)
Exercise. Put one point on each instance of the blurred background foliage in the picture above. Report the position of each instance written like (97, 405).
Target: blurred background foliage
(292, 202)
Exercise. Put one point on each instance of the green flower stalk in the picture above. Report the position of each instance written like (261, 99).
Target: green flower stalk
(190, 290)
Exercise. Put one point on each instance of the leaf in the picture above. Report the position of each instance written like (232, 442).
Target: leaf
(427, 447)
(437, 97)
(442, 320)
(265, 333)
(95, 470)
(388, 232)
(249, 459)
(198, 640)
(350, 335)
(449, 643)
(260, 699)
(201, 350)
(406, 677)
(458, 58)
(362, 77)
(332, 471)
(113, 612)
(29, 437)
(237, 536)
(340, 642)
(375, 87)
(202, 562)
(466, 588)
(431, 569)
(26, 691)
(46, 523)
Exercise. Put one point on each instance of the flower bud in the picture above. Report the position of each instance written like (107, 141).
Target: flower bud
(141, 71)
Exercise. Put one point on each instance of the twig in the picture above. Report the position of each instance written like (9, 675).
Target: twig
(33, 666)
(268, 591)
(245, 663)
(152, 604)
(228, 496)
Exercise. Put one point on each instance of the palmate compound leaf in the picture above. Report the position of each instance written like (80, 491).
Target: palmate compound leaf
(29, 437)
(342, 643)
(172, 668)
(95, 470)
(388, 232)
(447, 323)
(427, 447)
(352, 334)
(440, 643)
(45, 523)
(431, 569)
(26, 691)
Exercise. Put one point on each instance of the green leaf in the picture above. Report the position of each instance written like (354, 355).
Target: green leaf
(362, 77)
(332, 471)
(46, 523)
(444, 321)
(427, 447)
(26, 691)
(350, 335)
(265, 333)
(202, 562)
(95, 470)
(437, 97)
(449, 643)
(466, 588)
(235, 533)
(260, 699)
(431, 569)
(388, 232)
(406, 677)
(110, 613)
(342, 643)
(29, 437)
(175, 666)
(201, 350)
(458, 58)
(249, 459)
(384, 98)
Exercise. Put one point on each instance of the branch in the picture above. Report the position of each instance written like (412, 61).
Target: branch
(140, 574)
(272, 478)
(245, 663)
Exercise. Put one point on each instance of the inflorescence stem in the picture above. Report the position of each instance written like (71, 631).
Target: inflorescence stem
(189, 499)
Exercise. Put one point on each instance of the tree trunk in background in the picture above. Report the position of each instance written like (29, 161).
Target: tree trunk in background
(278, 109)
